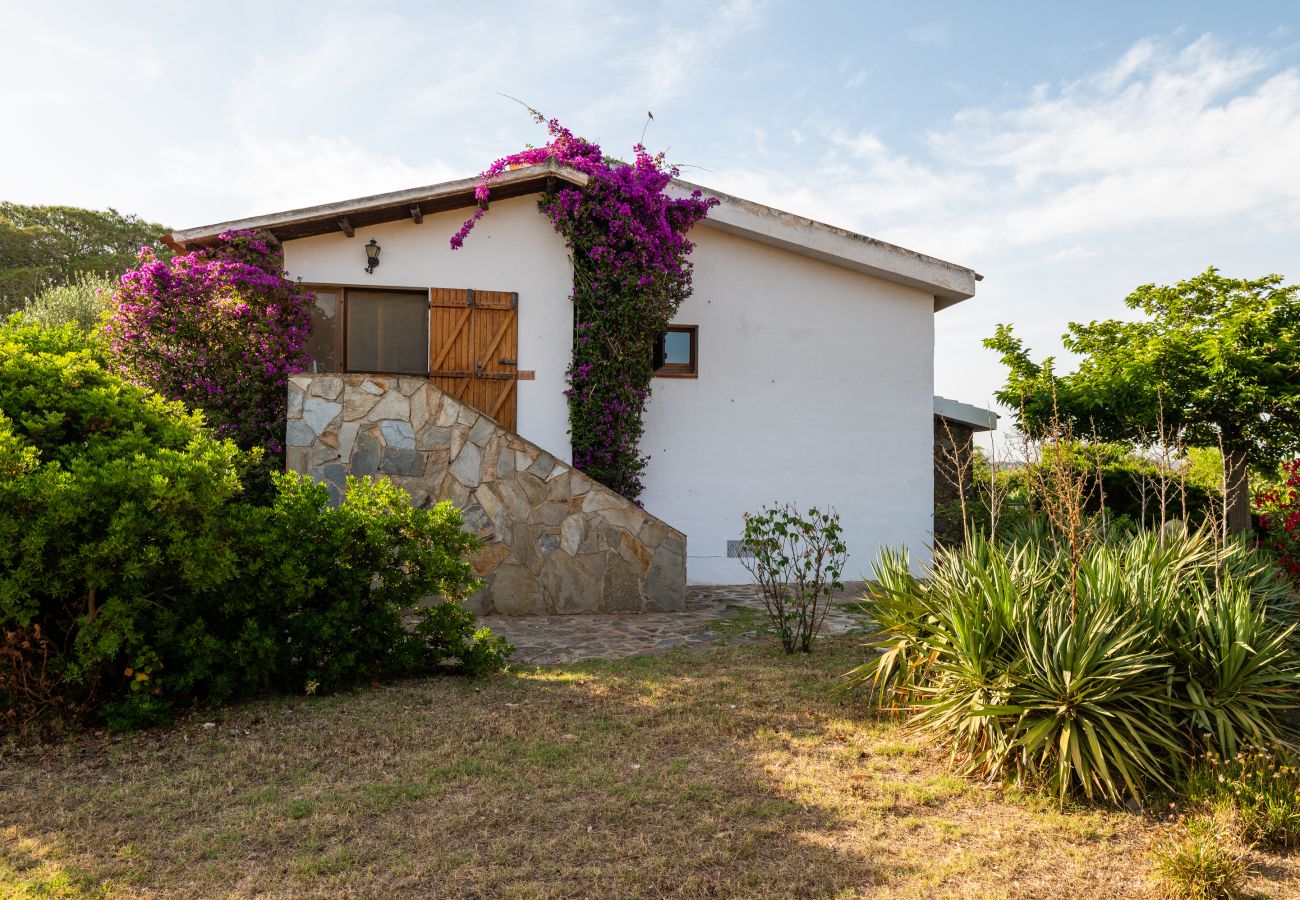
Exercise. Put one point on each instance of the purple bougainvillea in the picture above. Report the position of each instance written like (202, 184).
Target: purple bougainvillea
(220, 330)
(631, 272)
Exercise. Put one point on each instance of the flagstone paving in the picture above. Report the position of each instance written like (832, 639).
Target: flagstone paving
(554, 640)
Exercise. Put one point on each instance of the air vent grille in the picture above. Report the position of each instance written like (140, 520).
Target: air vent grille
(738, 550)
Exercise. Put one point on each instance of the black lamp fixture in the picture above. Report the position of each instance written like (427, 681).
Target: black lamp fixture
(372, 255)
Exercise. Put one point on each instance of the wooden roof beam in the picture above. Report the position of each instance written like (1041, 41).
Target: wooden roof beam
(416, 215)
(346, 227)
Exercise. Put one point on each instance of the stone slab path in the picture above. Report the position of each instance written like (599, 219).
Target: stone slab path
(554, 640)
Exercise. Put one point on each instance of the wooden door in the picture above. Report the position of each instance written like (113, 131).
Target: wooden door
(474, 348)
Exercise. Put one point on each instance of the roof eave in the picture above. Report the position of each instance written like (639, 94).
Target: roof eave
(975, 417)
(948, 282)
(388, 207)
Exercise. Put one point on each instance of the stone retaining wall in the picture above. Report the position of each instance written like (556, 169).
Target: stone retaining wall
(555, 540)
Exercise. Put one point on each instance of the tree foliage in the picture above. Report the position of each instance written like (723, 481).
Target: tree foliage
(1215, 362)
(42, 246)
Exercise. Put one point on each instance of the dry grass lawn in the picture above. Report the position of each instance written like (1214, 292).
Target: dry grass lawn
(735, 773)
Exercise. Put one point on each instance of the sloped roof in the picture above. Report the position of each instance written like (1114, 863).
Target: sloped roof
(948, 282)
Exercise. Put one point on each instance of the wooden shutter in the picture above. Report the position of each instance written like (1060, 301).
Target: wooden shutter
(474, 348)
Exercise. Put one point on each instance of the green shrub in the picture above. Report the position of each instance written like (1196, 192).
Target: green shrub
(81, 301)
(449, 636)
(135, 570)
(1263, 787)
(796, 559)
(109, 507)
(1205, 860)
(1101, 684)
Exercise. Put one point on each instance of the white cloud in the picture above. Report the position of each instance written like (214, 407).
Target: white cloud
(664, 62)
(1077, 251)
(1163, 135)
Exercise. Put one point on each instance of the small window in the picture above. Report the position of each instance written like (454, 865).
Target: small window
(677, 354)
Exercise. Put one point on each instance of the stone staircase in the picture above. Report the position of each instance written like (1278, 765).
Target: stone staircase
(555, 541)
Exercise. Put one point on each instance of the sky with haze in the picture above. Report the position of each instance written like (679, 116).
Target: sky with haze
(1068, 152)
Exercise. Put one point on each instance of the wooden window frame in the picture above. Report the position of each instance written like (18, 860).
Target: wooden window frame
(683, 370)
(341, 333)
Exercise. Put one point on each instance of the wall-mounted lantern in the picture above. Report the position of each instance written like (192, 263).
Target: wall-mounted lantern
(372, 255)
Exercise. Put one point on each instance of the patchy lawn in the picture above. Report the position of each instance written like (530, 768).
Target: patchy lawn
(737, 772)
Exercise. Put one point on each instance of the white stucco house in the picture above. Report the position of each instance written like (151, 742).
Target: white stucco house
(801, 369)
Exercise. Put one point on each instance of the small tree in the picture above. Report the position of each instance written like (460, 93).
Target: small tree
(796, 560)
(1215, 363)
(220, 330)
(82, 300)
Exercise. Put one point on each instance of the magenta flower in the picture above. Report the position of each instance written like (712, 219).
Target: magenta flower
(216, 329)
(628, 239)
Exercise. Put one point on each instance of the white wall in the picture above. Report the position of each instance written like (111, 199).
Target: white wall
(815, 382)
(815, 386)
(512, 248)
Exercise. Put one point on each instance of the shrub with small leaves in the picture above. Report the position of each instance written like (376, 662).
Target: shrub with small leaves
(796, 559)
(137, 573)
(82, 301)
(1278, 508)
(451, 637)
(220, 329)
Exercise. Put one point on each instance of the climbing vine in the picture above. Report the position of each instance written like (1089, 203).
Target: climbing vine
(631, 273)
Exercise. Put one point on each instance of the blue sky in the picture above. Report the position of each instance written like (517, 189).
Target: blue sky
(1068, 152)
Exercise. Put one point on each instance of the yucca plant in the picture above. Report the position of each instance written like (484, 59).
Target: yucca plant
(1099, 675)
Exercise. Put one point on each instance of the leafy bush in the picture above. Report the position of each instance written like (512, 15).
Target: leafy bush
(220, 330)
(1204, 861)
(81, 301)
(451, 637)
(135, 571)
(1124, 483)
(110, 504)
(1261, 787)
(1100, 683)
(796, 560)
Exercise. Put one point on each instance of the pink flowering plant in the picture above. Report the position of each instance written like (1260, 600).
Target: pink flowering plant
(631, 272)
(219, 329)
(1279, 517)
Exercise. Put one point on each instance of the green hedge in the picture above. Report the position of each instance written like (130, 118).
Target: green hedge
(136, 571)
